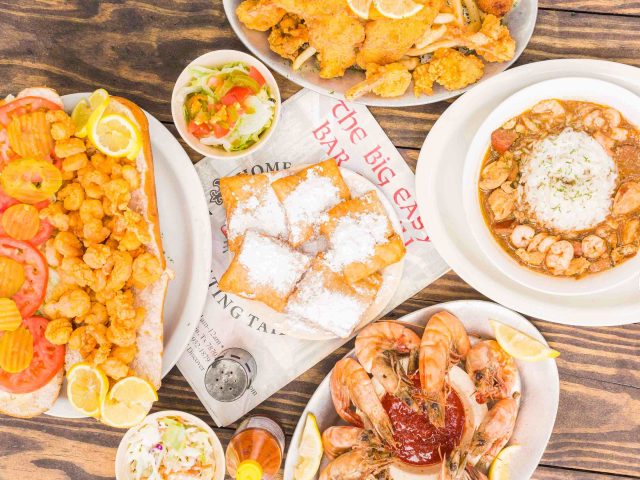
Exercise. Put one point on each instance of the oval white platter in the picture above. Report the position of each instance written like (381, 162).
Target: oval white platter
(521, 22)
(186, 239)
(440, 197)
(391, 275)
(539, 381)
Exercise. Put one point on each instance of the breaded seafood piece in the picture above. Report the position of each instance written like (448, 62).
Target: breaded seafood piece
(259, 15)
(361, 238)
(264, 269)
(452, 69)
(388, 40)
(336, 38)
(308, 195)
(251, 203)
(288, 36)
(499, 8)
(390, 80)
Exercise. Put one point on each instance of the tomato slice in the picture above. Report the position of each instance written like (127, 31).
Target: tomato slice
(47, 361)
(44, 233)
(36, 273)
(236, 94)
(24, 105)
(202, 130)
(219, 131)
(256, 75)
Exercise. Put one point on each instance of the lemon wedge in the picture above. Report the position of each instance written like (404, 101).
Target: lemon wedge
(360, 7)
(116, 136)
(501, 466)
(397, 9)
(309, 450)
(128, 402)
(87, 112)
(520, 345)
(87, 387)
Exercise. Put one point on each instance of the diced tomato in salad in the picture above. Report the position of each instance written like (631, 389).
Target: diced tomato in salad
(256, 75)
(236, 95)
(201, 130)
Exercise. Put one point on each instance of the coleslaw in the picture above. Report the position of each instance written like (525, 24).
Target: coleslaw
(169, 447)
(229, 106)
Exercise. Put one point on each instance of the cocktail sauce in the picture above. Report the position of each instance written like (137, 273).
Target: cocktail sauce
(418, 441)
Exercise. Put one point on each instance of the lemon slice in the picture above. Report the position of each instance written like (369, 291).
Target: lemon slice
(87, 387)
(116, 136)
(520, 345)
(501, 467)
(87, 113)
(128, 402)
(360, 7)
(397, 8)
(309, 450)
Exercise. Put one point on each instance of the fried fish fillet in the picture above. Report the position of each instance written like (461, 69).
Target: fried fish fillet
(387, 40)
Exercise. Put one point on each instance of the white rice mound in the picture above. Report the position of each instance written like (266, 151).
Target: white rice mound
(568, 182)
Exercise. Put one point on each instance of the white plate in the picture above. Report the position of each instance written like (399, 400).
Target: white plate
(391, 275)
(566, 88)
(440, 198)
(521, 21)
(186, 239)
(540, 387)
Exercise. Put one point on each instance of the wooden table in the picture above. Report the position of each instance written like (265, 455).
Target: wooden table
(137, 48)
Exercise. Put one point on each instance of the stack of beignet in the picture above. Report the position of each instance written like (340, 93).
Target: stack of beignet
(304, 247)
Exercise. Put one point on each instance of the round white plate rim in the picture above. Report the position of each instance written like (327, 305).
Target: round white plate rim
(416, 317)
(397, 268)
(571, 87)
(162, 138)
(503, 291)
(407, 100)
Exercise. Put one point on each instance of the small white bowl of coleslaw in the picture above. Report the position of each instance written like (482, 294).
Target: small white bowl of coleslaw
(170, 444)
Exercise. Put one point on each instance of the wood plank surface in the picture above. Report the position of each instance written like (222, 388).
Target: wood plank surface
(137, 48)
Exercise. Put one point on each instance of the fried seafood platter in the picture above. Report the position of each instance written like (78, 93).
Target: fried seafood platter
(396, 46)
(82, 271)
(438, 405)
(315, 245)
(560, 188)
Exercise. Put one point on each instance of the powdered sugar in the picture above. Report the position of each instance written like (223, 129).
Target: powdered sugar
(262, 212)
(307, 203)
(355, 237)
(326, 308)
(271, 263)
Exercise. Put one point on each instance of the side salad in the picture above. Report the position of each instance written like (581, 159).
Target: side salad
(228, 106)
(167, 446)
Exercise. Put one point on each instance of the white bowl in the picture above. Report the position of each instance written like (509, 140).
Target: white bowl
(568, 88)
(215, 59)
(122, 471)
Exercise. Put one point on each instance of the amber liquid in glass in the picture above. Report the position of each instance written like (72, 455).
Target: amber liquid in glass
(260, 440)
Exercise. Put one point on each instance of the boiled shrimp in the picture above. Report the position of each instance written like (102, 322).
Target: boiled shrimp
(377, 350)
(522, 235)
(444, 343)
(559, 257)
(593, 246)
(456, 467)
(494, 432)
(357, 464)
(492, 370)
(350, 383)
(341, 439)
